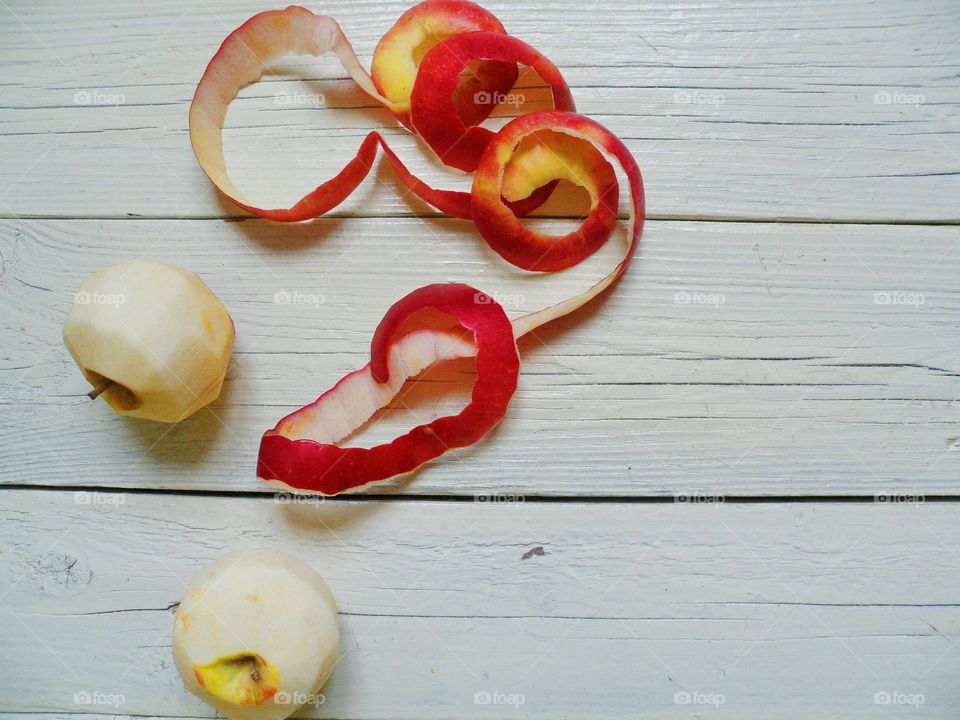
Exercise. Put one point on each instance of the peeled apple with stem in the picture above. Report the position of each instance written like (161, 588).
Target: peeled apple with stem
(151, 338)
(256, 635)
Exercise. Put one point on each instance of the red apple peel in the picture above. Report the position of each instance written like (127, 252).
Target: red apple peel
(396, 64)
(433, 108)
(246, 52)
(241, 60)
(324, 467)
(516, 171)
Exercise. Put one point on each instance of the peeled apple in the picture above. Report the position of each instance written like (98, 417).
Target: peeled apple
(151, 338)
(256, 635)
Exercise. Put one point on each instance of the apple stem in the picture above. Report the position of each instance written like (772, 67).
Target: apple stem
(255, 675)
(99, 390)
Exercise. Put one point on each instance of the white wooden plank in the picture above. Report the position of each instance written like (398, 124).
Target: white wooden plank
(785, 120)
(798, 383)
(796, 610)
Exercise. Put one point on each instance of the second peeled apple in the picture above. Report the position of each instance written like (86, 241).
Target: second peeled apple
(152, 338)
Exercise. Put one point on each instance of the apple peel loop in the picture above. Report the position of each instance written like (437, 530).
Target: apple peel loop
(270, 35)
(300, 451)
(533, 140)
(395, 67)
(416, 76)
(240, 61)
(433, 103)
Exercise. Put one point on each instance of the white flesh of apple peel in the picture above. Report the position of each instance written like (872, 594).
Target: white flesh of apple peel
(256, 635)
(154, 335)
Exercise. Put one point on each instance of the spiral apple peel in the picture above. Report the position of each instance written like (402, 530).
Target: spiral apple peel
(417, 75)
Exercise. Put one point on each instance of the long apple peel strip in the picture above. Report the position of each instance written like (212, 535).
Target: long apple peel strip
(582, 127)
(316, 428)
(294, 454)
(395, 68)
(267, 36)
(434, 109)
(240, 61)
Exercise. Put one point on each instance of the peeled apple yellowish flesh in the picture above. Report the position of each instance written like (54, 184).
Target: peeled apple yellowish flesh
(151, 338)
(256, 635)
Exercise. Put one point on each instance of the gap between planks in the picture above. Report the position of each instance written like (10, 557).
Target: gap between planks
(473, 498)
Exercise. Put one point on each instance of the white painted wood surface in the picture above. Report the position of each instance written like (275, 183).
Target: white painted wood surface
(783, 122)
(773, 607)
(787, 372)
(798, 383)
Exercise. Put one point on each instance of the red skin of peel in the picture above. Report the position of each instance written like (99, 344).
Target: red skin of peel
(334, 191)
(303, 450)
(594, 132)
(433, 108)
(225, 74)
(491, 77)
(329, 469)
(511, 239)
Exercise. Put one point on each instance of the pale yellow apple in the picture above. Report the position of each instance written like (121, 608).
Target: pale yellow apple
(154, 335)
(256, 635)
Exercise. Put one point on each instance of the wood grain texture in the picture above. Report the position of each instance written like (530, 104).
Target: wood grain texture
(736, 358)
(733, 109)
(798, 611)
(795, 380)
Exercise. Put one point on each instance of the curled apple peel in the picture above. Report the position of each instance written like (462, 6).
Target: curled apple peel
(417, 73)
(301, 451)
(560, 251)
(269, 35)
(313, 462)
(241, 60)
(434, 109)
(524, 156)
(397, 59)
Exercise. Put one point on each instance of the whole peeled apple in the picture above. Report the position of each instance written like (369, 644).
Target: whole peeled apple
(256, 635)
(151, 338)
